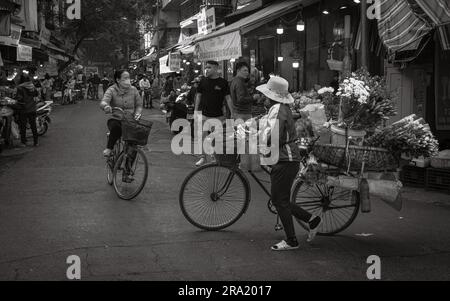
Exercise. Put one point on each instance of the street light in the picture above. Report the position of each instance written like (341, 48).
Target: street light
(295, 65)
(280, 58)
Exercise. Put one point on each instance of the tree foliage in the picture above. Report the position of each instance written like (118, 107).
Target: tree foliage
(113, 22)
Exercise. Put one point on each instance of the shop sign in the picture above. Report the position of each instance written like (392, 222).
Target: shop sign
(13, 39)
(206, 21)
(24, 53)
(201, 22)
(210, 20)
(163, 65)
(45, 36)
(220, 48)
(175, 61)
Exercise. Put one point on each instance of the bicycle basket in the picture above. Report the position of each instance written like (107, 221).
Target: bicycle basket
(228, 159)
(136, 131)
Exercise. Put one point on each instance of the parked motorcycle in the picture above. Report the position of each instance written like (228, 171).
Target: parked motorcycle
(6, 111)
(43, 117)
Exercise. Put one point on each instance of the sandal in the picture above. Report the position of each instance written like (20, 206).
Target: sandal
(283, 246)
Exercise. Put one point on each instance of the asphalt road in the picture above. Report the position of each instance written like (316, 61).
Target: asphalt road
(55, 202)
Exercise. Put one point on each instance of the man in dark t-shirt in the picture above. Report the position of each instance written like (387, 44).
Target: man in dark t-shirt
(213, 93)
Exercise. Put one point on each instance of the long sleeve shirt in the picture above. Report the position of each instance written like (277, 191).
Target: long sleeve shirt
(242, 100)
(280, 115)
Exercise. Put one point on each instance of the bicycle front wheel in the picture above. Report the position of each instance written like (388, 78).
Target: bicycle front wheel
(130, 174)
(337, 206)
(214, 197)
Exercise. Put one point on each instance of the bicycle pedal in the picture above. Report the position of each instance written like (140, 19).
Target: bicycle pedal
(278, 227)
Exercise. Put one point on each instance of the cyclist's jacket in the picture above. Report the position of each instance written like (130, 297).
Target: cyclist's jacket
(287, 134)
(128, 100)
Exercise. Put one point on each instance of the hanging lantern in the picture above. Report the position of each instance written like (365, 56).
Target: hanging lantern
(301, 25)
(280, 29)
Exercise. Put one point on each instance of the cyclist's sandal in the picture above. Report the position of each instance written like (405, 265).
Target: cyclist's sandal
(283, 246)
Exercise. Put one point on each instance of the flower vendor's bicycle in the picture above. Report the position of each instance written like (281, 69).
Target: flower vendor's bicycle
(216, 195)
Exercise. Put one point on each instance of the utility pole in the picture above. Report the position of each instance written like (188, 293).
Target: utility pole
(364, 45)
(158, 8)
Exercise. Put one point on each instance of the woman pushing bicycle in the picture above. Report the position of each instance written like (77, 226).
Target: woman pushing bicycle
(284, 172)
(122, 95)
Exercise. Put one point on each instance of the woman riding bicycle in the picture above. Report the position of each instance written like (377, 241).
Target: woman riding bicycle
(122, 95)
(284, 172)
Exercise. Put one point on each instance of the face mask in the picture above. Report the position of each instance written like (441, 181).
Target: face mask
(125, 83)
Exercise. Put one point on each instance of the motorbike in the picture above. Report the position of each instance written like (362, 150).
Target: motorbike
(6, 111)
(43, 117)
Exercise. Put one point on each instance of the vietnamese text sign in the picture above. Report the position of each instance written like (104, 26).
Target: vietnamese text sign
(24, 53)
(201, 22)
(210, 20)
(163, 68)
(220, 48)
(175, 61)
(13, 39)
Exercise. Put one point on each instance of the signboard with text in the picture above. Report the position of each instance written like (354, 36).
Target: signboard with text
(24, 53)
(175, 61)
(220, 48)
(206, 22)
(14, 38)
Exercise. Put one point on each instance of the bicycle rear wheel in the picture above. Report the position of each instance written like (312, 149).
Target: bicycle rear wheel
(337, 206)
(214, 197)
(137, 169)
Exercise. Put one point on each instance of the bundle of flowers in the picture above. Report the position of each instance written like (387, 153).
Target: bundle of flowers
(365, 101)
(410, 136)
(302, 99)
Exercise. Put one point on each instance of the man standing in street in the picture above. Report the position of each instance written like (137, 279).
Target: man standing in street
(212, 93)
(145, 86)
(242, 100)
(96, 82)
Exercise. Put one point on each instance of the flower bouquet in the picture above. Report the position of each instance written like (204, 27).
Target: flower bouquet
(364, 101)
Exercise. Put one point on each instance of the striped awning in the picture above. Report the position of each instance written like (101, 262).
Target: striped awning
(400, 28)
(437, 10)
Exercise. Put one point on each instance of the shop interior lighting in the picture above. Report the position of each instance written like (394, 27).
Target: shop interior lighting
(295, 65)
(188, 63)
(184, 61)
(13, 76)
(326, 12)
(196, 71)
(199, 63)
(232, 60)
(357, 1)
(181, 69)
(280, 29)
(343, 7)
(280, 58)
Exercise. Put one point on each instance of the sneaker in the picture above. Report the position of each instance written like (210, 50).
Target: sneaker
(284, 246)
(200, 162)
(107, 152)
(314, 225)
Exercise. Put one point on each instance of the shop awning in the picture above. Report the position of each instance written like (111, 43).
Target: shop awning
(151, 56)
(404, 24)
(259, 18)
(399, 28)
(438, 11)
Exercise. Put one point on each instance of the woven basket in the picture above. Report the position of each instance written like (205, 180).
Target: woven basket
(376, 159)
(136, 131)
